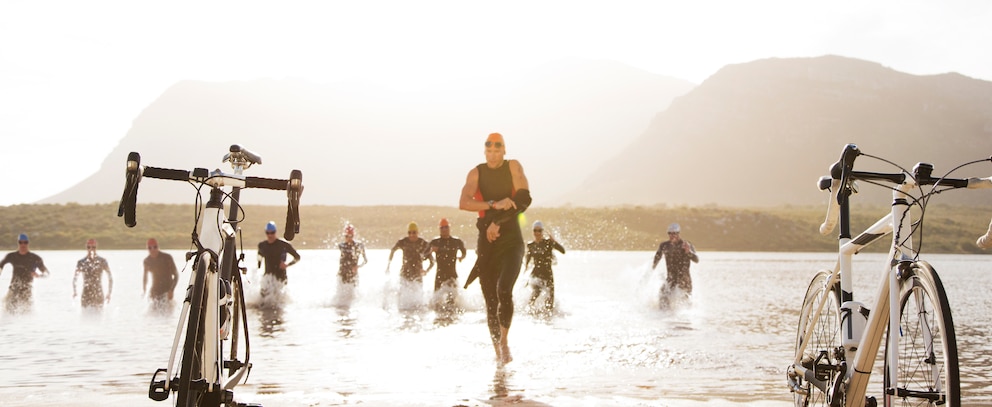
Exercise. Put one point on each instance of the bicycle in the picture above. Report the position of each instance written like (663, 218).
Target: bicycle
(213, 310)
(838, 338)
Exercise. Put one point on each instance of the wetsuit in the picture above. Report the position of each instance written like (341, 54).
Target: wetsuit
(446, 250)
(498, 263)
(414, 253)
(275, 253)
(541, 252)
(348, 269)
(19, 292)
(92, 269)
(164, 276)
(677, 261)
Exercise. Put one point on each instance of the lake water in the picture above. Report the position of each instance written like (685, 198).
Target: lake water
(608, 345)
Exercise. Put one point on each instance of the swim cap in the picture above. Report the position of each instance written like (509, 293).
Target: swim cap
(674, 228)
(444, 222)
(22, 237)
(538, 225)
(412, 227)
(349, 230)
(270, 227)
(495, 138)
(91, 242)
(152, 242)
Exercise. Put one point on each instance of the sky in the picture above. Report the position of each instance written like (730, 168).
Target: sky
(73, 75)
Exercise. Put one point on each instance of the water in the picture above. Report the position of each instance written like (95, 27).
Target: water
(607, 346)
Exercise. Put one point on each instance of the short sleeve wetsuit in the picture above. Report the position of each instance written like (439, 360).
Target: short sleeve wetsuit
(446, 251)
(348, 265)
(92, 270)
(275, 253)
(414, 254)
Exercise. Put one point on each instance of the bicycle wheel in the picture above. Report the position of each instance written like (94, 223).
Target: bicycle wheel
(826, 338)
(190, 373)
(927, 371)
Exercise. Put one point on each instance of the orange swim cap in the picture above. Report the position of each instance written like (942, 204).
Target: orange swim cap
(152, 242)
(495, 138)
(444, 222)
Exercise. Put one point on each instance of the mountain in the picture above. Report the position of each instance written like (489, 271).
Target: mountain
(358, 144)
(762, 133)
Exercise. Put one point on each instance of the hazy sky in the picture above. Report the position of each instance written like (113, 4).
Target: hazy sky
(74, 74)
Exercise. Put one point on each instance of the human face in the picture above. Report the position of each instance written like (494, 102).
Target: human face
(673, 236)
(495, 150)
(538, 233)
(445, 231)
(153, 250)
(412, 235)
(22, 246)
(270, 236)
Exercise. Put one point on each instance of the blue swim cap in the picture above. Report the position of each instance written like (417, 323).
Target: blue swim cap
(22, 237)
(270, 227)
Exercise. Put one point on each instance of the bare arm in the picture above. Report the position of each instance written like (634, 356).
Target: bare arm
(466, 201)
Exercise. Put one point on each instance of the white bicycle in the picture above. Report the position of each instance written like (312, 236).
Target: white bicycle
(213, 311)
(839, 338)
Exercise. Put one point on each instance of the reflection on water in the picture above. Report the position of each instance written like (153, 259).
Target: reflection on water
(607, 343)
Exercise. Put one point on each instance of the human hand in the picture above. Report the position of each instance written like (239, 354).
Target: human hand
(283, 265)
(492, 232)
(505, 203)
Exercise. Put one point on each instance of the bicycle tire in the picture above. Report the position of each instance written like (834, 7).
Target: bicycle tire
(187, 393)
(825, 339)
(923, 307)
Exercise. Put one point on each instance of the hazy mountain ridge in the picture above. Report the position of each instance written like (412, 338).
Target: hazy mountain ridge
(761, 133)
(361, 145)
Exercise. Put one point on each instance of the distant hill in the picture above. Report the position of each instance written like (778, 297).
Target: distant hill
(762, 133)
(361, 145)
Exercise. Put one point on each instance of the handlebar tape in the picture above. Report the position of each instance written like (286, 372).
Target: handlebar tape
(129, 198)
(267, 183)
(166, 173)
(294, 190)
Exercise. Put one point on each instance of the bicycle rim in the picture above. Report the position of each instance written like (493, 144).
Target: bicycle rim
(819, 353)
(188, 394)
(928, 359)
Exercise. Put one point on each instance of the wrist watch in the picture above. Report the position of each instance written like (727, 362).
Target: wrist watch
(490, 204)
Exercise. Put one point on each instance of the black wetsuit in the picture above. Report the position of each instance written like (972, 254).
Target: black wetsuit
(541, 253)
(414, 254)
(677, 261)
(19, 292)
(499, 261)
(165, 277)
(446, 251)
(275, 253)
(92, 270)
(350, 252)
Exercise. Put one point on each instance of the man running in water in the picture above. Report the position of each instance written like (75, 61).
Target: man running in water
(92, 268)
(499, 191)
(677, 253)
(351, 251)
(274, 251)
(542, 279)
(446, 248)
(26, 266)
(415, 251)
(162, 269)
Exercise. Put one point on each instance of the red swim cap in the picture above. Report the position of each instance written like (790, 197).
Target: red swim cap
(152, 242)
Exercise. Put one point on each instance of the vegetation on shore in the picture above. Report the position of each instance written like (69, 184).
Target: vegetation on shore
(949, 229)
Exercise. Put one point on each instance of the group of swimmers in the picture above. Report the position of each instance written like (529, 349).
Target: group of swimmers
(497, 190)
(28, 265)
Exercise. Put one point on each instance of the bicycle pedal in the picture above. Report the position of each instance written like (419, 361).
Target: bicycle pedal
(156, 390)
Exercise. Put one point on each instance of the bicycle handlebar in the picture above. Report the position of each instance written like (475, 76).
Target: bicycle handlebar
(134, 172)
(842, 173)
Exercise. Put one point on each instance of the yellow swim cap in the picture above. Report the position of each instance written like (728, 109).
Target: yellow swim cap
(412, 227)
